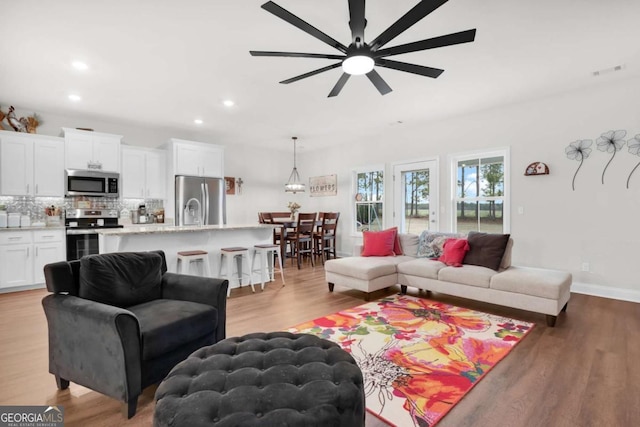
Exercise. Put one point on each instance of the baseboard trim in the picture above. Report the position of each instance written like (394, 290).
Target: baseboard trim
(630, 295)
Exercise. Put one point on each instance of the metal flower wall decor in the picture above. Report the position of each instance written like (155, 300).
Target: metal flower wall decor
(634, 148)
(578, 150)
(609, 142)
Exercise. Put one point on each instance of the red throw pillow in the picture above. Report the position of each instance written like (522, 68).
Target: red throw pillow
(378, 243)
(397, 248)
(453, 252)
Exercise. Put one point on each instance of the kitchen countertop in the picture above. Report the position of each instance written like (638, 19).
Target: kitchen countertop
(161, 229)
(43, 227)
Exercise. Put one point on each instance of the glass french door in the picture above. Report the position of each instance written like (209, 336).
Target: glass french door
(416, 196)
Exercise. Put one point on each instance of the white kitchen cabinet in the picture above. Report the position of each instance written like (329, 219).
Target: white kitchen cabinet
(198, 159)
(24, 253)
(16, 262)
(31, 165)
(143, 173)
(48, 168)
(48, 247)
(92, 150)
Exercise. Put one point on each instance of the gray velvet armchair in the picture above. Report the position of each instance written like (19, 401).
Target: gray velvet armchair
(120, 322)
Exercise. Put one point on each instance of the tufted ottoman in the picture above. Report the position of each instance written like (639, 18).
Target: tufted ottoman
(263, 379)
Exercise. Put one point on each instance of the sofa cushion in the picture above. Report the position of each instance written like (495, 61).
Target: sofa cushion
(121, 279)
(486, 250)
(506, 258)
(378, 243)
(365, 268)
(453, 252)
(537, 282)
(421, 267)
(409, 243)
(168, 324)
(471, 275)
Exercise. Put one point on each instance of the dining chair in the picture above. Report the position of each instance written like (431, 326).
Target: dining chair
(301, 239)
(325, 238)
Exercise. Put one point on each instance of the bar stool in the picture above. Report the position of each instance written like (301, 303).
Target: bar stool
(194, 256)
(227, 255)
(266, 253)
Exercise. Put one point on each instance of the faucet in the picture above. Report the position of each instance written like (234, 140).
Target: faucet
(191, 212)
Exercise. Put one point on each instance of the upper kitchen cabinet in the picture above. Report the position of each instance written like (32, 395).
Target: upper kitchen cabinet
(196, 158)
(31, 165)
(143, 173)
(92, 150)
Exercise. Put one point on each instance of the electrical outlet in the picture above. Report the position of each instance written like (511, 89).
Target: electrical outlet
(520, 210)
(585, 266)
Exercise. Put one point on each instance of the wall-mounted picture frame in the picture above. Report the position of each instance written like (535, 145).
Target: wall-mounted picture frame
(321, 186)
(230, 184)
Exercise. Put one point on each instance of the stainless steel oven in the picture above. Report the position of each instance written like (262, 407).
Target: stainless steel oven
(82, 227)
(78, 182)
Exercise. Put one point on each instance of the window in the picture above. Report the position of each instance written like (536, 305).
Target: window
(369, 200)
(481, 194)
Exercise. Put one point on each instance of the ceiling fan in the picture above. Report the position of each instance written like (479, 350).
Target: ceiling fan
(360, 57)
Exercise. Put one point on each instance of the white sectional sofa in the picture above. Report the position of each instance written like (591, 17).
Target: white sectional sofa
(533, 289)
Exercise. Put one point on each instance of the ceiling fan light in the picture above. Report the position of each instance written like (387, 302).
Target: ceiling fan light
(358, 65)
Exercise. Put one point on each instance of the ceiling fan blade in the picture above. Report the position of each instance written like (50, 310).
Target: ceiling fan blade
(338, 87)
(378, 82)
(441, 41)
(304, 26)
(311, 73)
(295, 54)
(410, 68)
(357, 20)
(420, 10)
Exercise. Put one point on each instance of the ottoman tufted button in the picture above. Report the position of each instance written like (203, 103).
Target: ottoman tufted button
(290, 380)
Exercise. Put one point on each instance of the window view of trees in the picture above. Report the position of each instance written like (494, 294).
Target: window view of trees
(480, 195)
(416, 214)
(369, 200)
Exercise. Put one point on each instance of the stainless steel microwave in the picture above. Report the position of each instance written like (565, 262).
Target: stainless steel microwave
(78, 182)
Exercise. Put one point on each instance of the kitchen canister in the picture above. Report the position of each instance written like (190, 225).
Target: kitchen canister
(13, 220)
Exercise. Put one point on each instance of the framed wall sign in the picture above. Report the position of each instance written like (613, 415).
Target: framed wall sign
(320, 186)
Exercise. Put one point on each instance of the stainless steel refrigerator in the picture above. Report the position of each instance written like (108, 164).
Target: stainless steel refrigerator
(200, 201)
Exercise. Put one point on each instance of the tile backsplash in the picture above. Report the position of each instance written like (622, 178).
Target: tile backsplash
(35, 206)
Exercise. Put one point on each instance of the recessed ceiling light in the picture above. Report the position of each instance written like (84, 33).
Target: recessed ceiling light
(228, 103)
(198, 121)
(74, 97)
(79, 65)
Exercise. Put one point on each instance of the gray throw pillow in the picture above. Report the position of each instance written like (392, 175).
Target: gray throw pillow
(121, 279)
(486, 250)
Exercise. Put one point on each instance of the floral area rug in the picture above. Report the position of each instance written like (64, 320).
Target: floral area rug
(418, 357)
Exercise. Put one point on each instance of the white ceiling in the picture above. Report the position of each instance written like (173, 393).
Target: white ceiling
(164, 63)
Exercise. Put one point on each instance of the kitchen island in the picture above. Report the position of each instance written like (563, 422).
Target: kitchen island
(173, 239)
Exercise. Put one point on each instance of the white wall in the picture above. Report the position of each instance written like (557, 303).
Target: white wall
(560, 228)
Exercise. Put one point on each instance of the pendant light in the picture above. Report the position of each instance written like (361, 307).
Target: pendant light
(294, 185)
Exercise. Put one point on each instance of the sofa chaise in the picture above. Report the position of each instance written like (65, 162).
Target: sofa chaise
(526, 288)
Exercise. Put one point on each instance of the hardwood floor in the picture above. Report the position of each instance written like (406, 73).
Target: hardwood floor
(583, 372)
